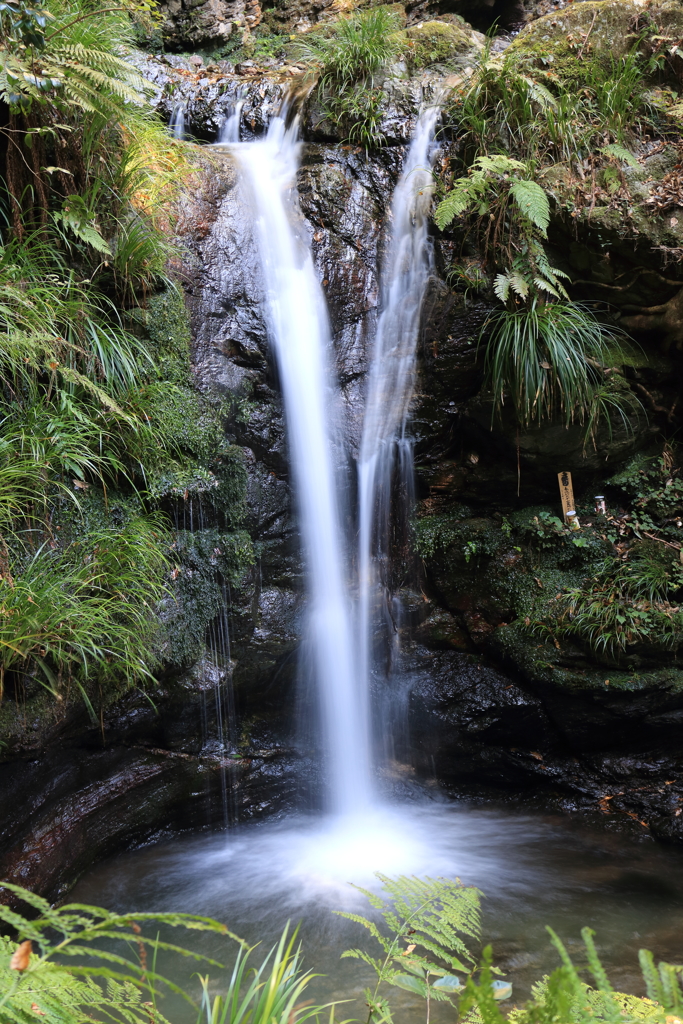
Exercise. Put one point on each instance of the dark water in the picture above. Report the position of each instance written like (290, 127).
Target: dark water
(534, 870)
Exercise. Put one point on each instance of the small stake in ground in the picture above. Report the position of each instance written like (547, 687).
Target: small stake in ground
(566, 493)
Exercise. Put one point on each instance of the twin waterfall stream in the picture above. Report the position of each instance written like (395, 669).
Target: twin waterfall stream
(341, 634)
(535, 868)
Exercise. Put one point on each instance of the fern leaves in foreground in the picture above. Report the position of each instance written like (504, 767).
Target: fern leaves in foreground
(438, 915)
(106, 979)
(434, 915)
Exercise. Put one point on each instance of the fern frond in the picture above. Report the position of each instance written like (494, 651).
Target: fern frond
(358, 919)
(544, 285)
(519, 284)
(620, 153)
(501, 286)
(455, 203)
(532, 202)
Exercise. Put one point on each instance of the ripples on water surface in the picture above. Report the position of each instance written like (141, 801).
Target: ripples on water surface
(534, 870)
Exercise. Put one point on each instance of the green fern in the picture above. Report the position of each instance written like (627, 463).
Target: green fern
(532, 202)
(620, 153)
(35, 981)
(434, 915)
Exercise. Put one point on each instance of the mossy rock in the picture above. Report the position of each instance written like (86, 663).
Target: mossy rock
(607, 26)
(436, 42)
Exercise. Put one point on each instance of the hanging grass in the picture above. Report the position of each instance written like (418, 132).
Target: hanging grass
(548, 359)
(348, 62)
(87, 609)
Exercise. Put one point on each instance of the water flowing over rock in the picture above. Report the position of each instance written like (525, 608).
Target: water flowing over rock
(295, 312)
(385, 463)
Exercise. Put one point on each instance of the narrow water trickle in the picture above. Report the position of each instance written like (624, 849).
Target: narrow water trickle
(230, 130)
(177, 123)
(299, 333)
(385, 448)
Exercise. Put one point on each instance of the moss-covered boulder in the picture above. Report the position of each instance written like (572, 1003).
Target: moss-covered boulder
(437, 42)
(604, 26)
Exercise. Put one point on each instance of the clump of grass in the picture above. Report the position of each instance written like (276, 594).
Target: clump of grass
(548, 113)
(549, 359)
(88, 608)
(348, 63)
(623, 606)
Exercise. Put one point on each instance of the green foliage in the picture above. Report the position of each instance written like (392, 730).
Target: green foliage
(563, 997)
(356, 49)
(348, 62)
(60, 968)
(72, 63)
(269, 994)
(550, 359)
(487, 182)
(77, 963)
(97, 399)
(515, 118)
(87, 606)
(545, 109)
(434, 915)
(86, 968)
(653, 488)
(625, 604)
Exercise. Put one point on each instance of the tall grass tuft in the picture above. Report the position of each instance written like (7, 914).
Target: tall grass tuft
(548, 359)
(348, 63)
(269, 994)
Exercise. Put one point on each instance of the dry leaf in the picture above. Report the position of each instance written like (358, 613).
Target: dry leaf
(21, 956)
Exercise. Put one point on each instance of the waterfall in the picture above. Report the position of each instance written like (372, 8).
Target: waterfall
(177, 122)
(299, 333)
(384, 444)
(230, 130)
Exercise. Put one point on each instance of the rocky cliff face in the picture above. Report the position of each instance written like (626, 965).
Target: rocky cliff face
(473, 474)
(209, 24)
(492, 707)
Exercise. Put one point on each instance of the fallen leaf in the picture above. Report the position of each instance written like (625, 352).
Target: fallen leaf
(21, 956)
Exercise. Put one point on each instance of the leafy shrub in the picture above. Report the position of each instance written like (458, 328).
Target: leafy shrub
(623, 605)
(90, 606)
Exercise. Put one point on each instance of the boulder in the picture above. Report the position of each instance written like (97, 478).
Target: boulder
(604, 26)
(196, 23)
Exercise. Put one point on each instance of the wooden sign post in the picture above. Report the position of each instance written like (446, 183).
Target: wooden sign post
(566, 493)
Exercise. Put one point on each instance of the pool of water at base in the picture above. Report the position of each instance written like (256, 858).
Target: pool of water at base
(534, 870)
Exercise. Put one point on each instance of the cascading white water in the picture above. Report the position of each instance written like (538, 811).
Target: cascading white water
(177, 122)
(298, 328)
(230, 131)
(391, 378)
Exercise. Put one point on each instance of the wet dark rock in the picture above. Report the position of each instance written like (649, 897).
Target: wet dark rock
(69, 809)
(209, 97)
(199, 23)
(476, 731)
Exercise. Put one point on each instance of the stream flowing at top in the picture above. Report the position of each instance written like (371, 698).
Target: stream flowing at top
(299, 333)
(391, 379)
